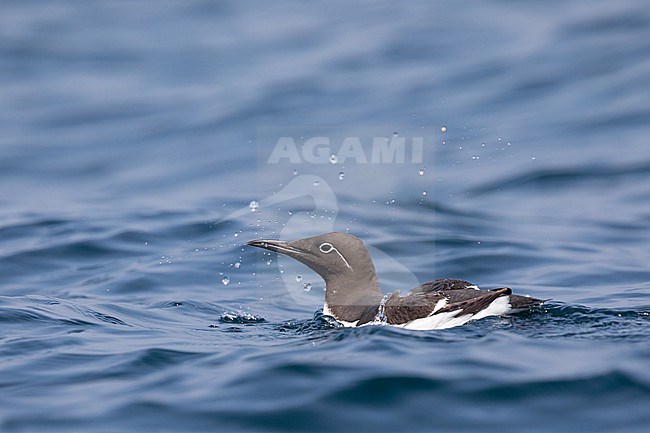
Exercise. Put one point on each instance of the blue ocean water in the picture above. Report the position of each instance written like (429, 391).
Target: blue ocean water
(135, 162)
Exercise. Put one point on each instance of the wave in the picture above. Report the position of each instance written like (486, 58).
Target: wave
(563, 177)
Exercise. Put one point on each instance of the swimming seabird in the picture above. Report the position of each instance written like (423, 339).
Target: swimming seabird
(353, 296)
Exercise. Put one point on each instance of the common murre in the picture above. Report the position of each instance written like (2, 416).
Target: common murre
(353, 296)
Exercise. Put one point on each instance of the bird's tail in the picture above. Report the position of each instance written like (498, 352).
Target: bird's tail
(520, 303)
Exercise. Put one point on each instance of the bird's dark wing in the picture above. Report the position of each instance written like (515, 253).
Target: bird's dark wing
(466, 294)
(458, 295)
(445, 284)
(416, 305)
(460, 290)
(471, 301)
(422, 301)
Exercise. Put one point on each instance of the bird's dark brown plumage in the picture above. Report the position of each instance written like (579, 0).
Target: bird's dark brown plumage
(353, 296)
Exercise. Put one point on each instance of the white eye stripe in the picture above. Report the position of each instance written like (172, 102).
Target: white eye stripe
(327, 248)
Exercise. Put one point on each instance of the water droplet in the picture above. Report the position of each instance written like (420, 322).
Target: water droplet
(533, 158)
(253, 205)
(334, 159)
(225, 281)
(476, 157)
(299, 278)
(380, 317)
(295, 172)
(443, 129)
(421, 172)
(316, 182)
(424, 193)
(268, 262)
(341, 176)
(307, 287)
(237, 265)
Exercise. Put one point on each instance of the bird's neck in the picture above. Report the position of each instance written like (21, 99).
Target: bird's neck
(350, 297)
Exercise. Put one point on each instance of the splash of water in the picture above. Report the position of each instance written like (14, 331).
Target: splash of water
(380, 318)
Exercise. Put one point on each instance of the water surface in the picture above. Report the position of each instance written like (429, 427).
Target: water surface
(135, 136)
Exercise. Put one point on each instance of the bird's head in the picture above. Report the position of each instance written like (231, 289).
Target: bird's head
(333, 256)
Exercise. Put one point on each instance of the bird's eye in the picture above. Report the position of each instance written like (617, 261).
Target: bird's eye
(326, 248)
